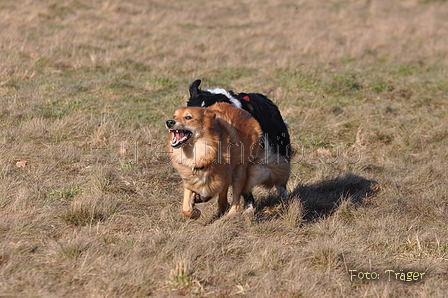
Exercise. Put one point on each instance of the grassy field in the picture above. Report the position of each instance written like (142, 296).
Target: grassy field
(90, 205)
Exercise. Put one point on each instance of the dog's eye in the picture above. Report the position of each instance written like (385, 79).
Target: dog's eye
(188, 118)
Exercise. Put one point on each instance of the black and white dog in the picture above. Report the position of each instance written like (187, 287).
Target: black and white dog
(275, 131)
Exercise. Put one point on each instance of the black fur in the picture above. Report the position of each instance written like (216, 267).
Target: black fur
(259, 106)
(262, 109)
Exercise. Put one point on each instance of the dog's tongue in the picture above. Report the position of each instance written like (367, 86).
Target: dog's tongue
(178, 136)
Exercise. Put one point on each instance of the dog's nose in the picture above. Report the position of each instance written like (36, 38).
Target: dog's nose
(170, 123)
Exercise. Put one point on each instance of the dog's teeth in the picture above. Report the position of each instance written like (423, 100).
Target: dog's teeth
(179, 136)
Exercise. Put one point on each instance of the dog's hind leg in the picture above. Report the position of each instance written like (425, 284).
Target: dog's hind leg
(249, 202)
(239, 182)
(223, 204)
(282, 191)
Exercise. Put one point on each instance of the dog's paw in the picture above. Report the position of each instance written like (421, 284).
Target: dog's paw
(233, 210)
(195, 214)
(249, 210)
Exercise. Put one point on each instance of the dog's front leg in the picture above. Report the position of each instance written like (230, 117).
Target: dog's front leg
(188, 205)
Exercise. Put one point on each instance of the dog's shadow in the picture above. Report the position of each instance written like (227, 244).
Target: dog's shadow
(321, 199)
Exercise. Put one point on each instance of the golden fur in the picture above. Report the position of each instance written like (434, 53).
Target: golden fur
(217, 147)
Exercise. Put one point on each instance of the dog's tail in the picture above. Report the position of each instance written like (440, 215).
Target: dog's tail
(269, 170)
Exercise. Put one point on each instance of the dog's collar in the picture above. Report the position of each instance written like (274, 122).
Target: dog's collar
(244, 96)
(194, 170)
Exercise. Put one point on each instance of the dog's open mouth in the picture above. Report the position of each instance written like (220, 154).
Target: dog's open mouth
(179, 137)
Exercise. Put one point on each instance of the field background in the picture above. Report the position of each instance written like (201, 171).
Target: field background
(90, 206)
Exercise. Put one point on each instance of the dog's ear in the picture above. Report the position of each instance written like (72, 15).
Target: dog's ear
(194, 88)
(209, 113)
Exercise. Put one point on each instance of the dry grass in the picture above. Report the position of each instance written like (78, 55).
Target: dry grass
(90, 206)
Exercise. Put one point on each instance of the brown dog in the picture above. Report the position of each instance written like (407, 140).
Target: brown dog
(217, 147)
